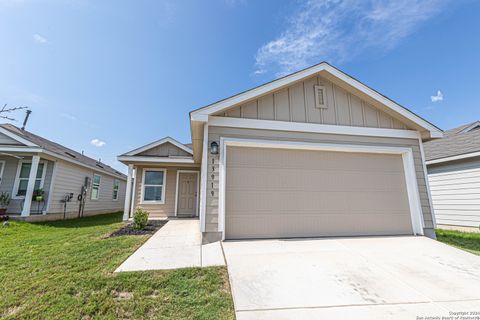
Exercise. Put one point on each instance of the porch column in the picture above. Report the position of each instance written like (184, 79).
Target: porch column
(128, 194)
(31, 185)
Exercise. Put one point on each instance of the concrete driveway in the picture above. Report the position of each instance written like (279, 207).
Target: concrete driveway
(351, 278)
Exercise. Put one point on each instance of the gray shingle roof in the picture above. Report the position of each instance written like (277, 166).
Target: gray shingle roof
(453, 143)
(61, 150)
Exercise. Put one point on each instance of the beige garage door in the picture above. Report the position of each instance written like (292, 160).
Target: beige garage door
(281, 193)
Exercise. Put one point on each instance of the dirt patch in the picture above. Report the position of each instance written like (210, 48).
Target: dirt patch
(122, 295)
(152, 227)
(12, 311)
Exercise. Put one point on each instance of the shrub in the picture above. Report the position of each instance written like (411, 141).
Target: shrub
(140, 218)
(4, 199)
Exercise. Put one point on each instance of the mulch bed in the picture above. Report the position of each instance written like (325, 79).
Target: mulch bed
(152, 227)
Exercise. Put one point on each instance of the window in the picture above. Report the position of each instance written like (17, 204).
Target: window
(116, 185)
(154, 185)
(320, 97)
(21, 181)
(96, 186)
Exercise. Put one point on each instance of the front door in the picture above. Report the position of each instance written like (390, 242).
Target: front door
(187, 194)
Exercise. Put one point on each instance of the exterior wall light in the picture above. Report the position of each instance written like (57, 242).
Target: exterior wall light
(214, 148)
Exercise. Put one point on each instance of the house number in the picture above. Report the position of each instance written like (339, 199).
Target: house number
(213, 176)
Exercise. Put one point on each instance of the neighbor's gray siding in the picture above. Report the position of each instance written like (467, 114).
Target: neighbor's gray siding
(213, 161)
(6, 140)
(297, 103)
(455, 189)
(8, 181)
(70, 178)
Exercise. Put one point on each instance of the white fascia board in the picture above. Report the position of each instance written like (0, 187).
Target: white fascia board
(154, 159)
(20, 139)
(453, 158)
(311, 127)
(158, 143)
(199, 115)
(20, 149)
(203, 113)
(384, 100)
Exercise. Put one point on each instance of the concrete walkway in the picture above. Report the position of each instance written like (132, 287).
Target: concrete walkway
(178, 244)
(351, 278)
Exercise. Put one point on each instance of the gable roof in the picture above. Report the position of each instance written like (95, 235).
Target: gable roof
(461, 141)
(202, 114)
(32, 140)
(184, 147)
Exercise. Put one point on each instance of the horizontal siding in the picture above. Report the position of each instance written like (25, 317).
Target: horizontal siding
(216, 132)
(159, 210)
(69, 178)
(6, 140)
(455, 189)
(297, 103)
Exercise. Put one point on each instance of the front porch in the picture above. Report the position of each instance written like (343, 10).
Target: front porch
(25, 182)
(164, 190)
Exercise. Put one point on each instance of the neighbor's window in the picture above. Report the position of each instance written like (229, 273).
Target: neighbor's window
(96, 186)
(154, 185)
(116, 186)
(23, 172)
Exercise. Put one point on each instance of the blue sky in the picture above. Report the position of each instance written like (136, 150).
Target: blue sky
(109, 76)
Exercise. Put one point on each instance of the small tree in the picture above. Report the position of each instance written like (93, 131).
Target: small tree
(140, 218)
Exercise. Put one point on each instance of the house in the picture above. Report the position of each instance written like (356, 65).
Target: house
(453, 165)
(29, 163)
(315, 153)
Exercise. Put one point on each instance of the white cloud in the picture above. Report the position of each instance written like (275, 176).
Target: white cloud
(69, 116)
(337, 30)
(438, 97)
(97, 142)
(39, 39)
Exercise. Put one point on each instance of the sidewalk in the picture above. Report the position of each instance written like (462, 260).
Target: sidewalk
(178, 244)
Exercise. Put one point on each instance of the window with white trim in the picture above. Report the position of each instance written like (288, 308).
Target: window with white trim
(154, 185)
(23, 173)
(116, 186)
(96, 186)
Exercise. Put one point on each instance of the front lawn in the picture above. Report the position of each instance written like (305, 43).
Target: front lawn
(64, 270)
(468, 241)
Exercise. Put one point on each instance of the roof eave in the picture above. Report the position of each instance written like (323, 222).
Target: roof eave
(202, 114)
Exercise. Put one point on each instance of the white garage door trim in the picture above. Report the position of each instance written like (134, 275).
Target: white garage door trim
(405, 152)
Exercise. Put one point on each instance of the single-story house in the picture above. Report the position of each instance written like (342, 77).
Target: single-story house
(72, 184)
(453, 165)
(315, 153)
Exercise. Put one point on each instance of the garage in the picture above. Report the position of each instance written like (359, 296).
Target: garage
(288, 193)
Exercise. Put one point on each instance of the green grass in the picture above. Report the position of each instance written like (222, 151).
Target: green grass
(64, 270)
(468, 241)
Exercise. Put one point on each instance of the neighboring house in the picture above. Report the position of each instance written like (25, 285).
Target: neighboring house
(29, 163)
(453, 164)
(315, 153)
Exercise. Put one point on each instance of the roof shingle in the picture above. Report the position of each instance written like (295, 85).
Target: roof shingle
(454, 142)
(61, 150)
